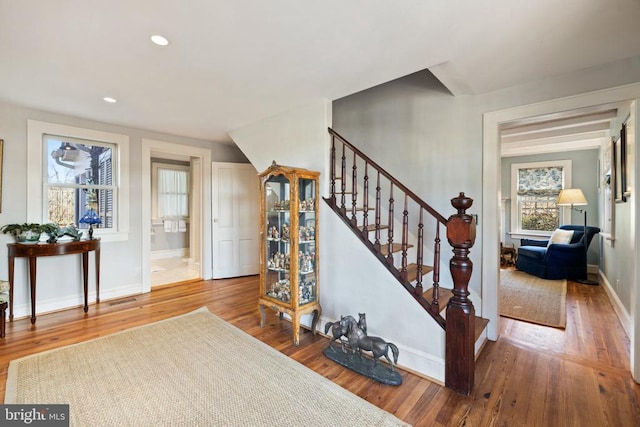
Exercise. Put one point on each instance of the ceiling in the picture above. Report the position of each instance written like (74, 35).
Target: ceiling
(583, 129)
(230, 63)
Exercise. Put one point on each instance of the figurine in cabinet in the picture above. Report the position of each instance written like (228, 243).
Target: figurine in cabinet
(273, 232)
(285, 232)
(288, 254)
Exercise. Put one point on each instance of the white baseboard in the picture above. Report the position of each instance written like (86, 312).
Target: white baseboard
(618, 307)
(170, 253)
(63, 303)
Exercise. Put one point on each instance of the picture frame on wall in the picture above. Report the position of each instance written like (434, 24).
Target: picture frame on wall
(619, 166)
(624, 170)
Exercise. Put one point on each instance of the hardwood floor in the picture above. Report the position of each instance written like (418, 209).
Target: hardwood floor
(532, 376)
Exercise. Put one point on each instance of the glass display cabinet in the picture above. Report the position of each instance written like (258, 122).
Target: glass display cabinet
(289, 249)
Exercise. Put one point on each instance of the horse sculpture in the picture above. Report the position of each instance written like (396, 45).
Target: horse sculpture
(362, 322)
(339, 329)
(359, 340)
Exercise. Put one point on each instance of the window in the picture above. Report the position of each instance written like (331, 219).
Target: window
(73, 169)
(170, 191)
(78, 177)
(534, 194)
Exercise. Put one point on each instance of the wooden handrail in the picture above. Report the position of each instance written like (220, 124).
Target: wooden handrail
(390, 177)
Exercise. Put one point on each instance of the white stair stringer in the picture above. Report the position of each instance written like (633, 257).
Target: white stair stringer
(359, 283)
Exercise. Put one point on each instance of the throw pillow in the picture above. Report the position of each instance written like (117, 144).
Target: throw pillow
(562, 237)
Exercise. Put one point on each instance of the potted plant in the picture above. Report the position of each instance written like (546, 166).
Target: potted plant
(28, 232)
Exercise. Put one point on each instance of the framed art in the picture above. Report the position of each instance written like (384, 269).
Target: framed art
(619, 175)
(623, 162)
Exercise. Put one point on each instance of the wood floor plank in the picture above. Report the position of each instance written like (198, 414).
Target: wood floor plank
(532, 376)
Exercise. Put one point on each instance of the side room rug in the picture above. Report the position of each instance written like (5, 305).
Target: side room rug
(529, 298)
(193, 369)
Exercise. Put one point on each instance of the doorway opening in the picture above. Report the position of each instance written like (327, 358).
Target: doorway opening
(492, 196)
(173, 257)
(177, 247)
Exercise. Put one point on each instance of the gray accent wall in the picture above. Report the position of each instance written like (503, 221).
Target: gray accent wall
(583, 176)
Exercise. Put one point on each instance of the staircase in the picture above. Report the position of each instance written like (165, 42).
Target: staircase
(365, 196)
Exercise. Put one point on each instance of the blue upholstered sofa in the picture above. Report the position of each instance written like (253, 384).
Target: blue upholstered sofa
(557, 261)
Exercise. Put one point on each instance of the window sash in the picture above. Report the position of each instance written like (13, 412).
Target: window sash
(75, 189)
(535, 187)
(37, 210)
(538, 213)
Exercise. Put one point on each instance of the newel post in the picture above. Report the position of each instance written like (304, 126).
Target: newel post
(460, 319)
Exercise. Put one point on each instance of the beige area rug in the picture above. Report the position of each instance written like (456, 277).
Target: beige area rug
(189, 370)
(529, 298)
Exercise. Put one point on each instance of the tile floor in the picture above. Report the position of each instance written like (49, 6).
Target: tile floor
(171, 270)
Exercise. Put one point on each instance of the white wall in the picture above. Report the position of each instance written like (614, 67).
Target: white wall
(353, 281)
(59, 279)
(294, 138)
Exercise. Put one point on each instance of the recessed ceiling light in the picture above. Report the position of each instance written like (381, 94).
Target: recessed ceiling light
(159, 40)
(110, 99)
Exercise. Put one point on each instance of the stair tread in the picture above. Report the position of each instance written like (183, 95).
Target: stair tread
(426, 269)
(397, 247)
(372, 227)
(412, 271)
(444, 295)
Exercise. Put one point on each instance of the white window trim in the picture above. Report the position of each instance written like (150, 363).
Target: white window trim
(565, 212)
(36, 211)
(155, 219)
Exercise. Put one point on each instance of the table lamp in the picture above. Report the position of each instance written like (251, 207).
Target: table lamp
(90, 217)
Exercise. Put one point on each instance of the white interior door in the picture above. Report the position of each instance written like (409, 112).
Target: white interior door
(236, 209)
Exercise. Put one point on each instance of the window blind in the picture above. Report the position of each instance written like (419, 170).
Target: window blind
(547, 181)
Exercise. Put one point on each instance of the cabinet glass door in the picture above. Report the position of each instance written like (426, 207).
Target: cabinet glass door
(307, 253)
(277, 238)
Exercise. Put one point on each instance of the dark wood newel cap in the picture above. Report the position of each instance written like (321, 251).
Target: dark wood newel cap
(461, 203)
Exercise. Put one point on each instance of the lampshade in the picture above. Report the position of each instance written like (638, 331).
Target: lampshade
(571, 197)
(90, 217)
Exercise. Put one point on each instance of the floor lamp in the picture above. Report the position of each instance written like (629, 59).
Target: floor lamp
(574, 197)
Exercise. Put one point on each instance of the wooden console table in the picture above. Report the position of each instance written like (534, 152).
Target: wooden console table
(17, 250)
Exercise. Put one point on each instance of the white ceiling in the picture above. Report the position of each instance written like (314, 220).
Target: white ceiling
(233, 62)
(583, 129)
